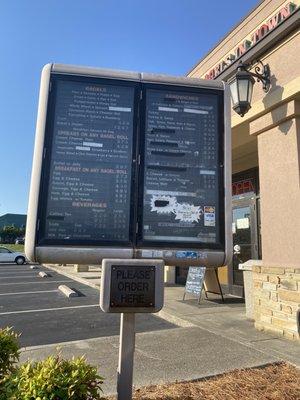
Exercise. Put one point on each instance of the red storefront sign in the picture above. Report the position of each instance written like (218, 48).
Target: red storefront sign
(252, 39)
(241, 187)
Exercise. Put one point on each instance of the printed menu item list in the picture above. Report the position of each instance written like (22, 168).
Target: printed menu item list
(91, 156)
(181, 167)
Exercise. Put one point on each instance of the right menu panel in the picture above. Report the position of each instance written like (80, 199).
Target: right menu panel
(182, 177)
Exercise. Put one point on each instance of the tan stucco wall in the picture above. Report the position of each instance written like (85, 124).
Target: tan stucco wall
(279, 152)
(284, 61)
(244, 149)
(284, 64)
(268, 136)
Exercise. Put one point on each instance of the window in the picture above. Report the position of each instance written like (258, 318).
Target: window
(4, 251)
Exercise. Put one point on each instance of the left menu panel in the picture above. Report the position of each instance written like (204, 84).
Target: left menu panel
(90, 163)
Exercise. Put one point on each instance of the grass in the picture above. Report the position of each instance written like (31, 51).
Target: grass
(14, 247)
(273, 382)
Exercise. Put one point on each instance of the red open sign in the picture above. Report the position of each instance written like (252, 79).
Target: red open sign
(241, 187)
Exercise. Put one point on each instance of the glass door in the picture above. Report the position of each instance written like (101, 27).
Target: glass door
(244, 231)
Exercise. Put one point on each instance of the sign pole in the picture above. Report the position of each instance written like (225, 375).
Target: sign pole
(126, 354)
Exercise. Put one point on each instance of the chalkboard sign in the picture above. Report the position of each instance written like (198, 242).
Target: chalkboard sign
(194, 281)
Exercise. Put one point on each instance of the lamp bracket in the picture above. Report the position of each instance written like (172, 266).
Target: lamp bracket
(262, 73)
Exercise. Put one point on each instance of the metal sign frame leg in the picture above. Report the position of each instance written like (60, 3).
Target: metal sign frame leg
(126, 356)
(221, 291)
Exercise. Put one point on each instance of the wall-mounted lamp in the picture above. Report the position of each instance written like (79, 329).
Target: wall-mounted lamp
(241, 85)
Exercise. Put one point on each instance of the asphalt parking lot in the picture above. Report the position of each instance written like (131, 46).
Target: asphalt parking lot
(35, 307)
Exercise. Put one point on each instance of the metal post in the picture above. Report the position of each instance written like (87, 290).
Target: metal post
(126, 354)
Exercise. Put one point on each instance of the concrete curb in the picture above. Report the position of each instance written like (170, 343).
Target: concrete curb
(43, 274)
(173, 319)
(72, 276)
(68, 292)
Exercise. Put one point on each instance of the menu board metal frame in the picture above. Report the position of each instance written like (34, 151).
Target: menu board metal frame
(93, 251)
(141, 242)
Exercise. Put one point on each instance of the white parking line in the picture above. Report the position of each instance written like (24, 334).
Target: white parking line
(2, 275)
(37, 291)
(37, 281)
(48, 309)
(17, 272)
(12, 265)
(16, 276)
(2, 270)
(5, 270)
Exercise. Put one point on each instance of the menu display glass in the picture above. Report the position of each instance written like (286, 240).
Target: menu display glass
(90, 168)
(182, 167)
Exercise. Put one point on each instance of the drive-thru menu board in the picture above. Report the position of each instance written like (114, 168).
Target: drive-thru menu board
(91, 156)
(181, 167)
(129, 165)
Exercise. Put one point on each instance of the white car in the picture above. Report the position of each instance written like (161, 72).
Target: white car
(7, 256)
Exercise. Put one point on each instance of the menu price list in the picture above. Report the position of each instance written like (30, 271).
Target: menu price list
(181, 167)
(90, 170)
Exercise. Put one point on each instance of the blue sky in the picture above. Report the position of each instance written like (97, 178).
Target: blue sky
(164, 36)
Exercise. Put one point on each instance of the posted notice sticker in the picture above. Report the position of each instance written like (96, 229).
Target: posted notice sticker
(209, 216)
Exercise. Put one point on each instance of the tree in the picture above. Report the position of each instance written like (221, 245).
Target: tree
(9, 234)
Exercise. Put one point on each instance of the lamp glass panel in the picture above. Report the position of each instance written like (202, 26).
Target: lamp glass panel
(250, 91)
(243, 89)
(234, 92)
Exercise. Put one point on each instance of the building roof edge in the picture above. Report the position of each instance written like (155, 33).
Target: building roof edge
(225, 36)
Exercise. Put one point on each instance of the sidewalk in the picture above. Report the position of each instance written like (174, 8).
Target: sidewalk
(206, 339)
(91, 278)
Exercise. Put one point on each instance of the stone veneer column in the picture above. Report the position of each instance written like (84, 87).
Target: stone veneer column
(276, 293)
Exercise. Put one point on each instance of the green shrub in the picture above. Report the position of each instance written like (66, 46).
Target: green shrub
(9, 351)
(54, 379)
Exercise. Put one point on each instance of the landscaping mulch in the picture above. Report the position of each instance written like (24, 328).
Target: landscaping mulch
(274, 382)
